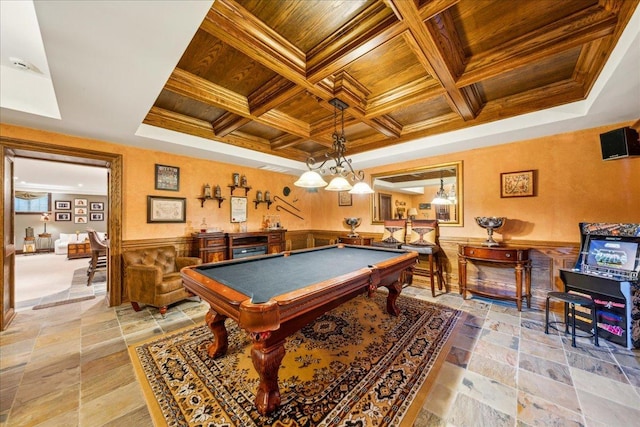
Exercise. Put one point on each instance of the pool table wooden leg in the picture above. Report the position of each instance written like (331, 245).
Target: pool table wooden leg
(220, 343)
(266, 359)
(394, 290)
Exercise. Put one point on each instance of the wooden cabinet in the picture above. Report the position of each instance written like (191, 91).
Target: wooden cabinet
(276, 241)
(253, 243)
(78, 250)
(212, 247)
(362, 241)
(517, 257)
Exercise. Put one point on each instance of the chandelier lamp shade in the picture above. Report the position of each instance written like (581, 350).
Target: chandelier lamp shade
(341, 169)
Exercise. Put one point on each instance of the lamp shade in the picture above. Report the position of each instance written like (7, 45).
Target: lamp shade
(310, 179)
(361, 187)
(412, 212)
(339, 184)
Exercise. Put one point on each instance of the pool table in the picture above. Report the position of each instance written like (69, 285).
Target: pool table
(273, 296)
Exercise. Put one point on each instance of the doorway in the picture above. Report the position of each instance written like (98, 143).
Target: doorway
(51, 220)
(12, 148)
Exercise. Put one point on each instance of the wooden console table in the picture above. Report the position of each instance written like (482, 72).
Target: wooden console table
(499, 256)
(362, 241)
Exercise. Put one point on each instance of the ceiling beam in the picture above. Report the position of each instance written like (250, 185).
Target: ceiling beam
(437, 47)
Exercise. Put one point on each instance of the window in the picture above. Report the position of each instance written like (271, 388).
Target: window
(27, 202)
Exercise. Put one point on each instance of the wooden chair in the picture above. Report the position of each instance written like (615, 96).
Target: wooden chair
(424, 240)
(393, 235)
(98, 259)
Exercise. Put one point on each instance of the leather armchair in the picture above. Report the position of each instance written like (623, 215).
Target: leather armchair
(152, 276)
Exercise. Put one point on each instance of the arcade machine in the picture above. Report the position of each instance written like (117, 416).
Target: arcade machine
(607, 271)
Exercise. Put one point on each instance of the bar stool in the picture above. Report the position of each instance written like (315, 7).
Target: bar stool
(572, 300)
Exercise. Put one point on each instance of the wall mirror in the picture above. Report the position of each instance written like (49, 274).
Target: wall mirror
(428, 192)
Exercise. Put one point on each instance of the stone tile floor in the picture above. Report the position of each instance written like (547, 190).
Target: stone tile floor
(69, 366)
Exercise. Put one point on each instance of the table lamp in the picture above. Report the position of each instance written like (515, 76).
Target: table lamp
(45, 218)
(412, 213)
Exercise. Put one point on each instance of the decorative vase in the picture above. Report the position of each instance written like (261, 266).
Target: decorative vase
(490, 223)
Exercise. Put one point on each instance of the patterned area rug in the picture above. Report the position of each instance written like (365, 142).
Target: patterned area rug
(354, 366)
(79, 291)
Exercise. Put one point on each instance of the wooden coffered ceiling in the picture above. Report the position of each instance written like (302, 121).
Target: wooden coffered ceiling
(260, 74)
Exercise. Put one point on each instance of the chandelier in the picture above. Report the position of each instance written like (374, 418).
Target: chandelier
(342, 171)
(441, 198)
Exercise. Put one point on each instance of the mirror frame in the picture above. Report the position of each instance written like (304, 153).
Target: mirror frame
(459, 190)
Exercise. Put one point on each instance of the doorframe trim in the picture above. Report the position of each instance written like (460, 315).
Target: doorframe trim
(114, 163)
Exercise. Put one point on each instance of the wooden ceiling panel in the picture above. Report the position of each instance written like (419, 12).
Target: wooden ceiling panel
(422, 111)
(539, 74)
(209, 58)
(170, 101)
(507, 22)
(305, 23)
(395, 66)
(260, 74)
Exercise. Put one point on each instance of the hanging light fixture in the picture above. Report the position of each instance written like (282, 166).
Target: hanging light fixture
(342, 170)
(441, 196)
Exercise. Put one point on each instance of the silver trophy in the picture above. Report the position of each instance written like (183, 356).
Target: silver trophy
(353, 222)
(490, 223)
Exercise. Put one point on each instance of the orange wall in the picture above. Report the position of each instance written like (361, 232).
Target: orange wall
(574, 184)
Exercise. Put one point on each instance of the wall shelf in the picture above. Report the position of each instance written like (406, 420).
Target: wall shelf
(268, 202)
(204, 199)
(233, 187)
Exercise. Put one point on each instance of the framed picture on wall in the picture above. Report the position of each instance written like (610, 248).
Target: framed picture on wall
(80, 219)
(517, 184)
(96, 206)
(96, 216)
(238, 209)
(80, 202)
(62, 205)
(166, 209)
(63, 216)
(167, 178)
(80, 211)
(344, 198)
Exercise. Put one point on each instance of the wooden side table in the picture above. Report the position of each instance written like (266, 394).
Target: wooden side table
(44, 243)
(361, 241)
(519, 258)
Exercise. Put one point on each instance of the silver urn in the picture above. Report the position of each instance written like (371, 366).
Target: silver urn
(490, 223)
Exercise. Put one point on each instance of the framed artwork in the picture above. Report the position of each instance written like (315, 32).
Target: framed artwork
(63, 205)
(80, 211)
(166, 209)
(238, 209)
(344, 198)
(424, 206)
(63, 216)
(167, 178)
(517, 184)
(96, 206)
(80, 219)
(80, 202)
(96, 216)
